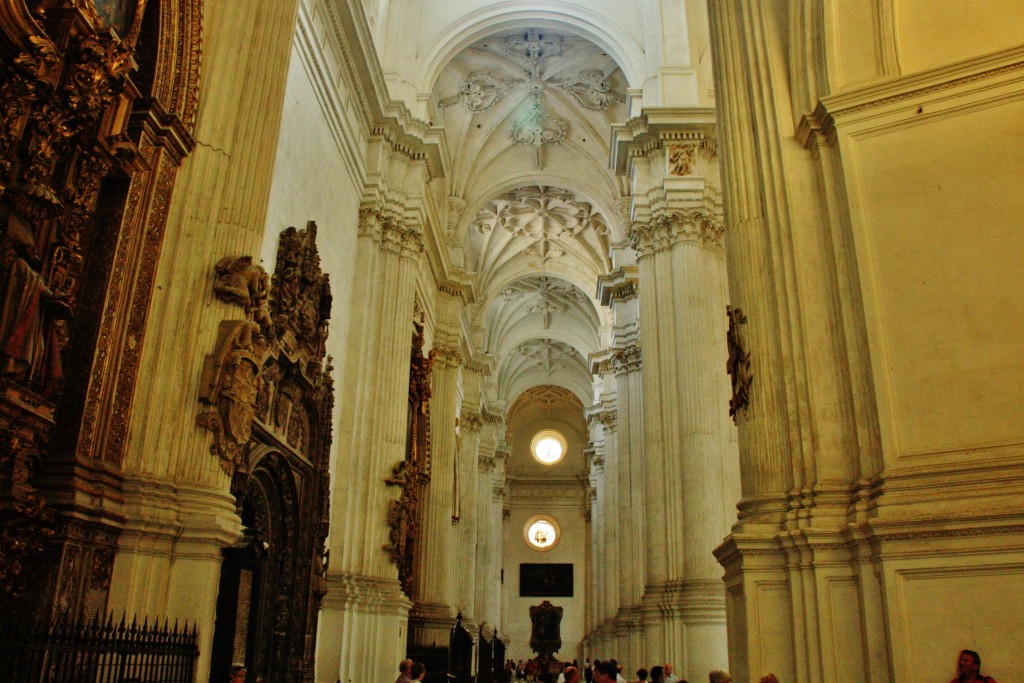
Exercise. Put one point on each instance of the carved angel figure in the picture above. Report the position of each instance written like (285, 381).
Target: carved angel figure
(246, 284)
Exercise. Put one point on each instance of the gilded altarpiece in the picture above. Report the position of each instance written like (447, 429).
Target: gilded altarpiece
(269, 397)
(91, 136)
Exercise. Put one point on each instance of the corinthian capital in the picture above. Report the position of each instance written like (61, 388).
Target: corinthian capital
(628, 359)
(447, 354)
(471, 421)
(665, 230)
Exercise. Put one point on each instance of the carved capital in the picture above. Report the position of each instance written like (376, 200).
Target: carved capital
(471, 421)
(628, 359)
(486, 464)
(664, 231)
(447, 354)
(608, 419)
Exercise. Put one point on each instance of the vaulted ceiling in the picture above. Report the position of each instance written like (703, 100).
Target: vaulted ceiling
(527, 116)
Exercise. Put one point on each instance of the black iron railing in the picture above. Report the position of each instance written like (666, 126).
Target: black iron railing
(97, 652)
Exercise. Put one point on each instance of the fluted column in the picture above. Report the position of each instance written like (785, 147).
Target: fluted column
(689, 449)
(470, 422)
(364, 614)
(621, 370)
(432, 615)
(176, 502)
(603, 554)
(487, 534)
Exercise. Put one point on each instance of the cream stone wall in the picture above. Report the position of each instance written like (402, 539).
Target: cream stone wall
(889, 248)
(571, 549)
(315, 179)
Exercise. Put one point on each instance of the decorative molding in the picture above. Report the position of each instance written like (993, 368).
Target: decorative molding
(548, 354)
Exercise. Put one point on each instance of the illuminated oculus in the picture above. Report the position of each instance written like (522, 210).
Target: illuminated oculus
(542, 532)
(548, 447)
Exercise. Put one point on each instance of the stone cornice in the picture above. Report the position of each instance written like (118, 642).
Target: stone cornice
(647, 133)
(618, 285)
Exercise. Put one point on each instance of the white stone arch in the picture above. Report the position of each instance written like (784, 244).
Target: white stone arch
(515, 15)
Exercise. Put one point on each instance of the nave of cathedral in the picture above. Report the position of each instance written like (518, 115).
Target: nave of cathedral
(674, 331)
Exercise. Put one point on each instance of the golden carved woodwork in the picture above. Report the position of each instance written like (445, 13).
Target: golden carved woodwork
(92, 132)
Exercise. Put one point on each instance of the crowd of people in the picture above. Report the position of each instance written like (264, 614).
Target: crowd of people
(541, 670)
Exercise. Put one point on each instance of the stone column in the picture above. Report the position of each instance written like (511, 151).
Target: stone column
(179, 511)
(470, 424)
(603, 557)
(431, 618)
(690, 453)
(619, 291)
(486, 532)
(363, 621)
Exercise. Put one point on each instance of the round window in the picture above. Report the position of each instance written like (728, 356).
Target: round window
(542, 532)
(548, 446)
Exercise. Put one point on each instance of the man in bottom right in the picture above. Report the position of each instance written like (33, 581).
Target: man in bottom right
(968, 667)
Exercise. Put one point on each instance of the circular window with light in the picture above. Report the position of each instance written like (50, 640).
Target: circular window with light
(542, 533)
(548, 447)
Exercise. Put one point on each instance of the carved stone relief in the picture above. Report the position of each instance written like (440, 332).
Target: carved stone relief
(738, 365)
(268, 396)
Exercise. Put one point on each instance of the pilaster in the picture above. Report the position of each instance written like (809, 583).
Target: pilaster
(358, 636)
(436, 570)
(217, 207)
(690, 457)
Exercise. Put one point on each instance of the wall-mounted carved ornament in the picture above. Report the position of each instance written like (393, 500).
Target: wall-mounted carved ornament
(738, 365)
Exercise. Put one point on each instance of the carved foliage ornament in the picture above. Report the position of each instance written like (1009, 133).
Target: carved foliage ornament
(738, 364)
(667, 230)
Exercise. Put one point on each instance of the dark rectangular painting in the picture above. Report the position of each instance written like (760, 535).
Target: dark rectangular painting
(545, 580)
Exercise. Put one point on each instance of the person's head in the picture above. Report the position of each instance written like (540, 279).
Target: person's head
(657, 674)
(769, 678)
(969, 662)
(404, 666)
(605, 672)
(719, 676)
(417, 671)
(572, 674)
(668, 669)
(641, 674)
(238, 673)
